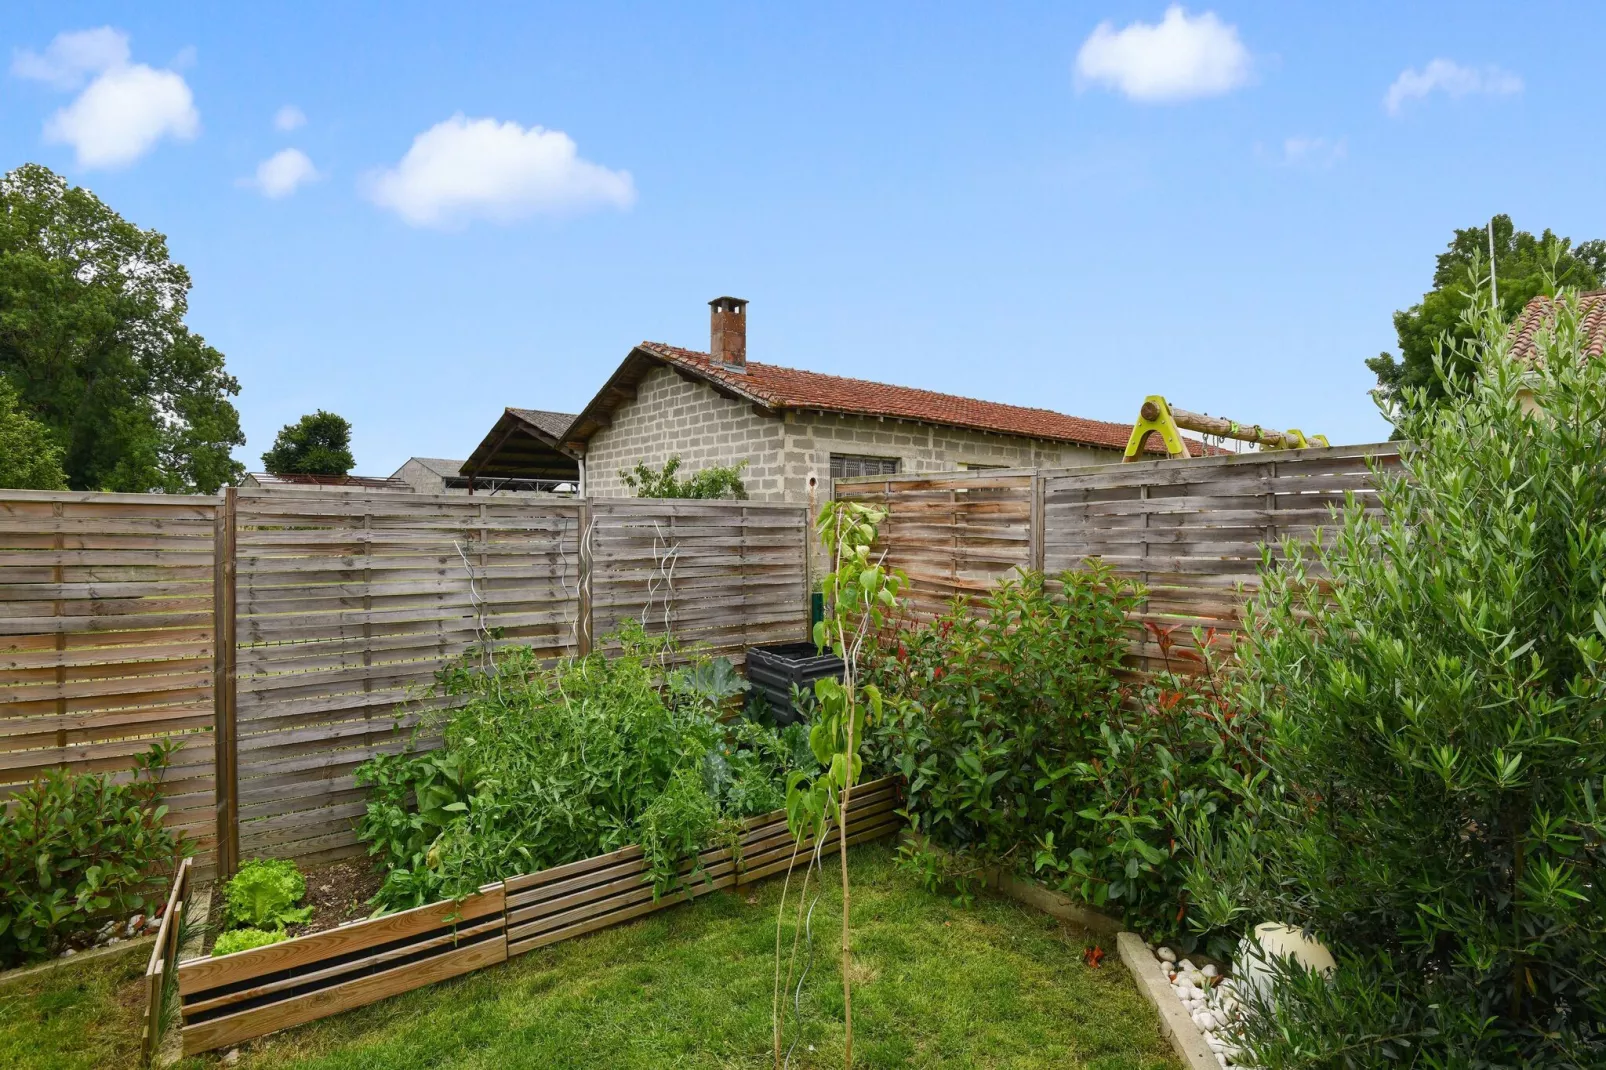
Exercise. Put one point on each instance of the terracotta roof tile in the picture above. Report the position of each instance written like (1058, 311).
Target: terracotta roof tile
(1591, 325)
(792, 388)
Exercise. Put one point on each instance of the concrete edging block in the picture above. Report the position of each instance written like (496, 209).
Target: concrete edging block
(1186, 1039)
(141, 943)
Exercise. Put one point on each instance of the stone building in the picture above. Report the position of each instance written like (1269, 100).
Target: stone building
(799, 429)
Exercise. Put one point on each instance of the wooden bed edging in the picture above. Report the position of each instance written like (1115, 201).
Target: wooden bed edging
(249, 994)
(164, 957)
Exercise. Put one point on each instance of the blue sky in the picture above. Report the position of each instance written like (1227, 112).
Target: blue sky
(1062, 205)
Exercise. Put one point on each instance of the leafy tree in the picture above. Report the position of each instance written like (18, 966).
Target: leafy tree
(1433, 683)
(92, 336)
(317, 444)
(715, 481)
(1525, 267)
(29, 458)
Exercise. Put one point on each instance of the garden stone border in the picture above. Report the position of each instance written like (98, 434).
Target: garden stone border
(82, 956)
(1175, 1021)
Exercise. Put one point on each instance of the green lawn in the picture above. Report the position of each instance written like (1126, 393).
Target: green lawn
(81, 1017)
(993, 985)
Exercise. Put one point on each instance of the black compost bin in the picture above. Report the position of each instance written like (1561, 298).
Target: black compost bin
(773, 670)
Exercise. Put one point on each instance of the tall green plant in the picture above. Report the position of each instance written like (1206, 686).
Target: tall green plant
(76, 847)
(541, 765)
(990, 706)
(860, 593)
(1433, 680)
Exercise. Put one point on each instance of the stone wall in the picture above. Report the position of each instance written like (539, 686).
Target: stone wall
(672, 416)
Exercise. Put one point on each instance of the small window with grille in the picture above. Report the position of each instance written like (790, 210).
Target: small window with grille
(848, 465)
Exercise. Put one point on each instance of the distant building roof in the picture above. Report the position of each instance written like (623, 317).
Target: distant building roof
(776, 388)
(439, 466)
(553, 423)
(1541, 310)
(307, 479)
(524, 444)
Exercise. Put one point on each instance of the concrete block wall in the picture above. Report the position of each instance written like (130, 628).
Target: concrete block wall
(672, 416)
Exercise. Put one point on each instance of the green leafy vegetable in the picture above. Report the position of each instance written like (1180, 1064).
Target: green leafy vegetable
(245, 939)
(264, 894)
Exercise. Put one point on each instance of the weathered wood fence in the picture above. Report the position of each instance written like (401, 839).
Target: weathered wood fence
(1192, 530)
(321, 613)
(106, 640)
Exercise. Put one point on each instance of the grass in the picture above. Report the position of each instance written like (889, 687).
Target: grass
(992, 985)
(86, 1015)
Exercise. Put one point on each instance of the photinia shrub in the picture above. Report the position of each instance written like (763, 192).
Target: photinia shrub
(988, 708)
(78, 847)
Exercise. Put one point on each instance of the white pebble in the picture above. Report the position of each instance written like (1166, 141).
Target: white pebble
(1186, 964)
(1222, 1059)
(1166, 955)
(1209, 970)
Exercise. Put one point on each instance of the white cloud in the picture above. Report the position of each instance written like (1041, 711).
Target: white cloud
(73, 56)
(1318, 152)
(1448, 77)
(1181, 57)
(464, 169)
(123, 112)
(289, 118)
(282, 174)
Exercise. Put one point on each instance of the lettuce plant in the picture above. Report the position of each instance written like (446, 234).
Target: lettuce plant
(264, 894)
(233, 940)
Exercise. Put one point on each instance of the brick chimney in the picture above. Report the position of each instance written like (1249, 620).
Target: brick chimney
(727, 342)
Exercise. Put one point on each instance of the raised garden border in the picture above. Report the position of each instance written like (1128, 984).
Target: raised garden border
(239, 997)
(164, 957)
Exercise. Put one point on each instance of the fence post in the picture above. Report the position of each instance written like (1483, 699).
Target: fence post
(1038, 532)
(224, 773)
(582, 629)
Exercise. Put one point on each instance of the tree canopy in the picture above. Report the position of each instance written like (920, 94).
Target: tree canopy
(29, 457)
(1525, 267)
(317, 444)
(92, 338)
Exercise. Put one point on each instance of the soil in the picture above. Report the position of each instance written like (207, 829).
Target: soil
(337, 893)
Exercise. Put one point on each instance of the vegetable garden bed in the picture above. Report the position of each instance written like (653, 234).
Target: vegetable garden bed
(248, 994)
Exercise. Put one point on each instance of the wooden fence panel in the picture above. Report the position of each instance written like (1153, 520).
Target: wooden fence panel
(346, 604)
(106, 644)
(719, 574)
(1192, 530)
(953, 534)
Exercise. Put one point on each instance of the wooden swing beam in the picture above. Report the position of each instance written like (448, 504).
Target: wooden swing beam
(1157, 417)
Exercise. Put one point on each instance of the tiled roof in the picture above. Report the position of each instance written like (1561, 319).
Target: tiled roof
(791, 388)
(553, 423)
(1591, 325)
